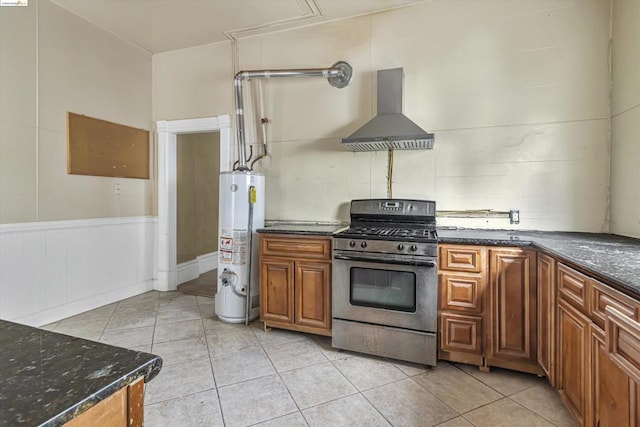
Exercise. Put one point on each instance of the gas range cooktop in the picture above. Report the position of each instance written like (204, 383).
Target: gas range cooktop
(392, 220)
(417, 234)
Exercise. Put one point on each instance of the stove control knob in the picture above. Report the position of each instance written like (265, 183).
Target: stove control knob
(413, 248)
(400, 247)
(352, 243)
(363, 244)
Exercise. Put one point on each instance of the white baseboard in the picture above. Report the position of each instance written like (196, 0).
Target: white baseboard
(76, 307)
(192, 269)
(188, 271)
(208, 262)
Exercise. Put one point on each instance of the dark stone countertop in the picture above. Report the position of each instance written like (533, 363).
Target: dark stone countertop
(310, 229)
(614, 259)
(611, 258)
(46, 378)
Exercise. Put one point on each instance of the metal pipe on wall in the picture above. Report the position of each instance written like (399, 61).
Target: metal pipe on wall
(263, 125)
(339, 75)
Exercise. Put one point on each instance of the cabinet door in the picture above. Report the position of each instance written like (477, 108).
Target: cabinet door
(573, 354)
(611, 388)
(546, 315)
(513, 306)
(313, 294)
(276, 290)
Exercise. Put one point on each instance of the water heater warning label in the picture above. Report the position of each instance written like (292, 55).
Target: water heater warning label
(226, 243)
(233, 247)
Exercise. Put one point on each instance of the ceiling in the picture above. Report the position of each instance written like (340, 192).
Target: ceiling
(163, 25)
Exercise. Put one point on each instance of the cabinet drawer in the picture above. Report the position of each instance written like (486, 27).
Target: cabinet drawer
(602, 296)
(462, 292)
(572, 287)
(462, 258)
(461, 333)
(295, 246)
(622, 337)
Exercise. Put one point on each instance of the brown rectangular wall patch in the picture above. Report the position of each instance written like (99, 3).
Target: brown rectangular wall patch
(101, 148)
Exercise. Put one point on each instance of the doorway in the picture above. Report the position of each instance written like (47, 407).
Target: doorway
(198, 173)
(166, 234)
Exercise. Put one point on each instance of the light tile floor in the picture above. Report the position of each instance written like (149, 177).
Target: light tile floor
(217, 374)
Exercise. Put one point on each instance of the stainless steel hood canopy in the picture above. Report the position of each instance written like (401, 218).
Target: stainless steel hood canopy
(389, 129)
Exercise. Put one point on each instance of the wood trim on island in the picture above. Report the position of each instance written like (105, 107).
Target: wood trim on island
(124, 408)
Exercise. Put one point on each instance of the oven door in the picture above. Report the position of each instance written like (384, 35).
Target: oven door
(385, 291)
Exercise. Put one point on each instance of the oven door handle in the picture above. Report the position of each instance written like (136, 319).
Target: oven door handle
(386, 261)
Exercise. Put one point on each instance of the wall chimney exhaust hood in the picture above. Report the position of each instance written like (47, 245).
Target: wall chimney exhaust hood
(389, 129)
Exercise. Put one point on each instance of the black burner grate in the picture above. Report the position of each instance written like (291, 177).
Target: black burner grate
(391, 232)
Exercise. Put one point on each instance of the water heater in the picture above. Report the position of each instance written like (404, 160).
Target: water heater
(241, 214)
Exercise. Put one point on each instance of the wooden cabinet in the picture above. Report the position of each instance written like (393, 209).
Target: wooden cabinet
(612, 391)
(295, 282)
(313, 303)
(276, 290)
(598, 370)
(462, 281)
(546, 276)
(487, 312)
(512, 295)
(573, 353)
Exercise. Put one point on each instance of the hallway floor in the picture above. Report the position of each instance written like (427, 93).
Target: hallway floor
(203, 286)
(216, 374)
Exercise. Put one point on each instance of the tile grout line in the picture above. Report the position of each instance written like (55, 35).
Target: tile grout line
(213, 375)
(153, 338)
(498, 400)
(530, 410)
(490, 386)
(107, 323)
(361, 393)
(280, 376)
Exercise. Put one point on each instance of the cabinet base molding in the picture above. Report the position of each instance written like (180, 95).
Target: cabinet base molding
(298, 328)
(515, 365)
(458, 357)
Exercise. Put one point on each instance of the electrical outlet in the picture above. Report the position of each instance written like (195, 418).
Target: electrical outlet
(117, 189)
(514, 216)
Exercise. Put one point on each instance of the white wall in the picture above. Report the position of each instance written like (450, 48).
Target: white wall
(625, 121)
(517, 94)
(51, 62)
(67, 242)
(192, 83)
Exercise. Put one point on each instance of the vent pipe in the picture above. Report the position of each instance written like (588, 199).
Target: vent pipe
(339, 75)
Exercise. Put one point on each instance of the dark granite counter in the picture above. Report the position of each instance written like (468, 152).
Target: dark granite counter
(311, 229)
(47, 378)
(614, 259)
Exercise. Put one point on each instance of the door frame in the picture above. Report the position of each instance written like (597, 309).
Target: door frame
(166, 230)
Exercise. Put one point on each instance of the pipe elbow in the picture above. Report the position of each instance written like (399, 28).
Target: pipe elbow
(240, 76)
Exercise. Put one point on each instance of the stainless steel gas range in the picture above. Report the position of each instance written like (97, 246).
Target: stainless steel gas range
(385, 283)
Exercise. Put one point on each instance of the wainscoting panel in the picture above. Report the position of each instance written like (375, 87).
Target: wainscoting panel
(52, 270)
